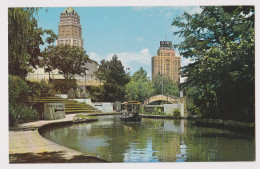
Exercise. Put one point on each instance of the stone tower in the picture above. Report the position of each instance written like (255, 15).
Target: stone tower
(70, 28)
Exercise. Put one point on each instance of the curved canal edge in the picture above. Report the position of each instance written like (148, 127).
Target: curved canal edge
(26, 145)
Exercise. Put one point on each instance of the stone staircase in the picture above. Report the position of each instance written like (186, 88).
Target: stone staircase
(46, 100)
(71, 106)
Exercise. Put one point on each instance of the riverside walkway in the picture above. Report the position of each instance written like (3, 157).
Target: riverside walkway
(26, 145)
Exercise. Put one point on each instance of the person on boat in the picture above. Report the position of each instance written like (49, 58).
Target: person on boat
(129, 110)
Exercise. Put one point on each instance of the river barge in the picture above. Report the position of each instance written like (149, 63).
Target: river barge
(130, 111)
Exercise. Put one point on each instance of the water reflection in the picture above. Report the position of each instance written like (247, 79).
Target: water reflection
(153, 140)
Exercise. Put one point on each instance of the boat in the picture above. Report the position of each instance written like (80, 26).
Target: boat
(130, 111)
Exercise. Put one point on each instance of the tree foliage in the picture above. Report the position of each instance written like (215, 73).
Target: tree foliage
(164, 85)
(220, 40)
(96, 93)
(140, 86)
(114, 78)
(68, 60)
(24, 40)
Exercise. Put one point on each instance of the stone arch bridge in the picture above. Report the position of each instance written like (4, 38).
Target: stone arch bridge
(168, 98)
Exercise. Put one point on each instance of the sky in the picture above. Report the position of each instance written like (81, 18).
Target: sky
(132, 33)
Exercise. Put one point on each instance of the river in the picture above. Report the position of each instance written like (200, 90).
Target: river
(154, 140)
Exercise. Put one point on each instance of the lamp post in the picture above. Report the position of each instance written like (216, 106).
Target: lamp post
(127, 69)
(162, 85)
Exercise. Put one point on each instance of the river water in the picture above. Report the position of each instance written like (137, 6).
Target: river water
(153, 140)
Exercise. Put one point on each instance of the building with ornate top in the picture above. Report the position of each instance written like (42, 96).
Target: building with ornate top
(166, 62)
(70, 28)
(69, 32)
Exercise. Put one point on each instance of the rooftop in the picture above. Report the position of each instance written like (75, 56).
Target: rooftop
(69, 10)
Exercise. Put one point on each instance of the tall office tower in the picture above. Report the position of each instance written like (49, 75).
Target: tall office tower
(166, 62)
(70, 28)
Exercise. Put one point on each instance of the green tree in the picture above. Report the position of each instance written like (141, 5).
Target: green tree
(114, 78)
(220, 40)
(24, 40)
(164, 85)
(140, 87)
(68, 60)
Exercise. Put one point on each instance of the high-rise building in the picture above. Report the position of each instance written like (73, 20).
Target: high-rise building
(70, 28)
(166, 63)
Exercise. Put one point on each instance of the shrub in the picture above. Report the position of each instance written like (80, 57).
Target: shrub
(19, 107)
(84, 117)
(21, 114)
(176, 113)
(157, 111)
(18, 90)
(142, 110)
(41, 89)
(96, 92)
(63, 86)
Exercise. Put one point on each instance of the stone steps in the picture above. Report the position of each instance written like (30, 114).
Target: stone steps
(72, 106)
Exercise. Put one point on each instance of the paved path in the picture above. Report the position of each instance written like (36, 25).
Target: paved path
(26, 145)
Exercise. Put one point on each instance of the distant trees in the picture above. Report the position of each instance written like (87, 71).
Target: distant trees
(114, 78)
(118, 85)
(163, 84)
(140, 87)
(221, 42)
(24, 40)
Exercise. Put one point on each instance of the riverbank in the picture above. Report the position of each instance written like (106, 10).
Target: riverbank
(26, 145)
(104, 114)
(160, 116)
(226, 124)
(214, 123)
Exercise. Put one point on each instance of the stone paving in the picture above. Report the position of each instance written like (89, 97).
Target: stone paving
(26, 145)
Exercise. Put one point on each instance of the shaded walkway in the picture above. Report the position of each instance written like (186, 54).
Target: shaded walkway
(51, 157)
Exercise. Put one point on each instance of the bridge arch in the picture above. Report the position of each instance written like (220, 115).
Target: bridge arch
(168, 98)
